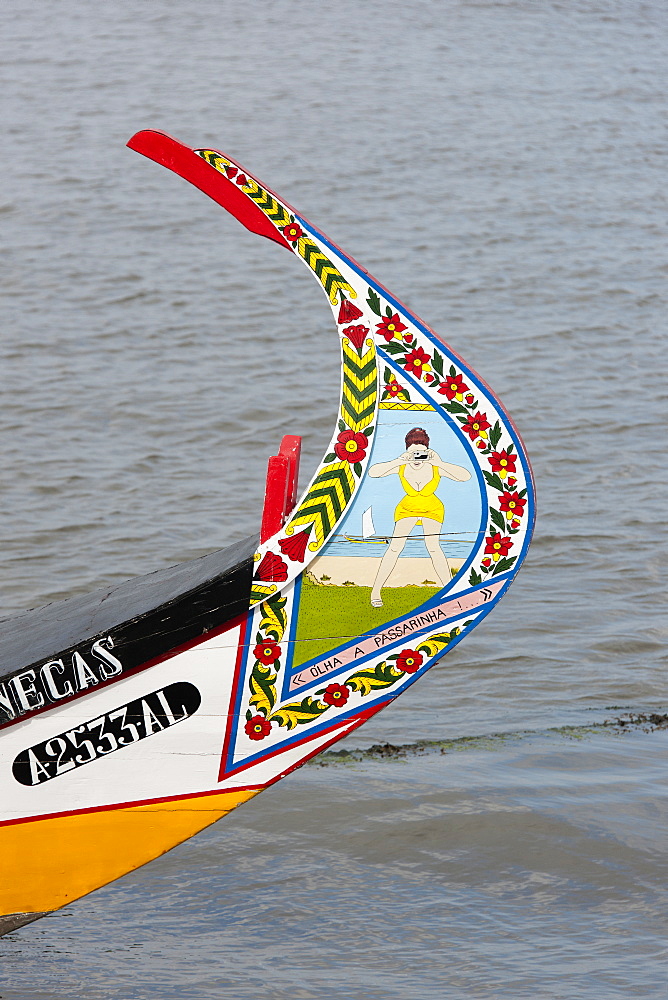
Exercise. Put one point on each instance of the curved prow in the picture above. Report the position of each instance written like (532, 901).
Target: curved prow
(130, 726)
(182, 160)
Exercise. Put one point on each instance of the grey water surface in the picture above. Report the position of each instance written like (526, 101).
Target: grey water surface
(501, 166)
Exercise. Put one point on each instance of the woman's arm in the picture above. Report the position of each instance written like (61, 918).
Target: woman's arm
(387, 468)
(457, 472)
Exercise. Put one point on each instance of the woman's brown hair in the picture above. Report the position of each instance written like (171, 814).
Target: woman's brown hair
(417, 436)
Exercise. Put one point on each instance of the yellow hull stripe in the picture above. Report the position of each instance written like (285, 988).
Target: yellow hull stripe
(46, 863)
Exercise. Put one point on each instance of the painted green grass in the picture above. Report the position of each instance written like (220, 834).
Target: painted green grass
(329, 616)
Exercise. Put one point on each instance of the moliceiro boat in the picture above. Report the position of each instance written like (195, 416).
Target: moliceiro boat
(134, 717)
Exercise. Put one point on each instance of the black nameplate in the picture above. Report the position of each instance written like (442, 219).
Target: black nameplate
(110, 732)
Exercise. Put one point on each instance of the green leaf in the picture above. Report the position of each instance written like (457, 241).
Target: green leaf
(437, 362)
(522, 493)
(368, 431)
(373, 302)
(358, 468)
(298, 713)
(274, 619)
(394, 348)
(454, 407)
(493, 480)
(330, 457)
(503, 565)
(383, 675)
(262, 687)
(452, 370)
(342, 426)
(258, 638)
(509, 449)
(387, 375)
(388, 311)
(474, 578)
(495, 434)
(498, 519)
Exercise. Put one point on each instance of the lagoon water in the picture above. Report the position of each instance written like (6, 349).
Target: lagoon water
(500, 165)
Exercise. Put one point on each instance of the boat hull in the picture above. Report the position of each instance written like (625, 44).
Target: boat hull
(133, 718)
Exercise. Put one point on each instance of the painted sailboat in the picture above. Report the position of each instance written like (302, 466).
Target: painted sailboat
(134, 717)
(368, 535)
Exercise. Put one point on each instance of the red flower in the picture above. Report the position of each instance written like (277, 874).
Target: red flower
(241, 180)
(230, 170)
(514, 523)
(336, 694)
(512, 505)
(351, 446)
(356, 335)
(391, 327)
(407, 338)
(348, 312)
(487, 562)
(497, 545)
(502, 462)
(292, 232)
(267, 652)
(511, 480)
(417, 362)
(394, 389)
(409, 660)
(294, 547)
(481, 444)
(258, 727)
(272, 567)
(476, 426)
(454, 387)
(469, 399)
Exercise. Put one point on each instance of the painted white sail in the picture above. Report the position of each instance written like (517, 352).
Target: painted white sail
(367, 523)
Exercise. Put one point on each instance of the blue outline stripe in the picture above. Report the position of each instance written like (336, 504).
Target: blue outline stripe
(437, 598)
(409, 679)
(484, 390)
(231, 763)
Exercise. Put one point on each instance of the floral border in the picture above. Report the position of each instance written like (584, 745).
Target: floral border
(263, 715)
(428, 366)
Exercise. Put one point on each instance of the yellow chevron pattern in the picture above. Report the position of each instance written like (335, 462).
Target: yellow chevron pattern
(359, 385)
(217, 160)
(327, 274)
(325, 502)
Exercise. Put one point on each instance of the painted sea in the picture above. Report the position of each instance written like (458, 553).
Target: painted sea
(499, 832)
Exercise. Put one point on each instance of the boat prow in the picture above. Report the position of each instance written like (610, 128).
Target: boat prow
(132, 718)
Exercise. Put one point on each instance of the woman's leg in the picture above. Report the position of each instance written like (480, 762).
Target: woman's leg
(432, 539)
(402, 530)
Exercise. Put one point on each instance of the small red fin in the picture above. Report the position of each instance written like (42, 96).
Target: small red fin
(281, 490)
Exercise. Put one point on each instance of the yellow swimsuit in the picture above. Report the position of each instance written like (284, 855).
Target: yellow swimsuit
(420, 503)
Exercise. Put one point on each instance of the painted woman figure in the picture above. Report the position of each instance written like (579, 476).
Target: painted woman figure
(420, 470)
